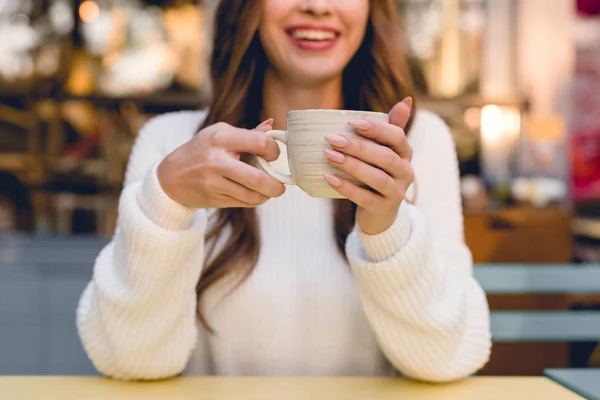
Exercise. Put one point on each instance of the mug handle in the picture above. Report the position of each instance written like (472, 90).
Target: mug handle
(264, 164)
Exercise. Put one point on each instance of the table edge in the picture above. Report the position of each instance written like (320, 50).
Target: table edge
(548, 373)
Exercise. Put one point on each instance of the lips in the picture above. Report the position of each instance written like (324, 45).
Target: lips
(312, 37)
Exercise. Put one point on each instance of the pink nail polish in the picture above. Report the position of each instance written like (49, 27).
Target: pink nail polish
(337, 140)
(333, 180)
(266, 122)
(335, 156)
(361, 124)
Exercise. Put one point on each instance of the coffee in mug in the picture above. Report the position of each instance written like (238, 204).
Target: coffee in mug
(306, 145)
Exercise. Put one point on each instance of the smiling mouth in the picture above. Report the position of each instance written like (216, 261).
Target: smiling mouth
(313, 35)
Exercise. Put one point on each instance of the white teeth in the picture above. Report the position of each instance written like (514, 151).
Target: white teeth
(310, 34)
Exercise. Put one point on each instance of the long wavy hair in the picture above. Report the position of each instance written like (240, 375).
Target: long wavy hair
(376, 79)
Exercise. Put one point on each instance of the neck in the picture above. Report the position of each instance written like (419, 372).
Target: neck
(281, 96)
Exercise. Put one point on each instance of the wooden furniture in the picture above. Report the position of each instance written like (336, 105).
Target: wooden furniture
(523, 235)
(116, 121)
(27, 166)
(585, 382)
(82, 388)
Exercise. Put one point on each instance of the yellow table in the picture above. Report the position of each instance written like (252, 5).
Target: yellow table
(480, 388)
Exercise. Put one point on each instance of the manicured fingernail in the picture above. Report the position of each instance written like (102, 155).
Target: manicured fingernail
(266, 122)
(333, 180)
(335, 156)
(408, 102)
(337, 140)
(361, 124)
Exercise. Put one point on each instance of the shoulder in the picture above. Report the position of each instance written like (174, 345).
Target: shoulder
(431, 140)
(434, 153)
(158, 137)
(429, 130)
(171, 130)
(181, 120)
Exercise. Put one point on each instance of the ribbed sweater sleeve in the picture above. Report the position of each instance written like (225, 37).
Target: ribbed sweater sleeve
(137, 316)
(429, 314)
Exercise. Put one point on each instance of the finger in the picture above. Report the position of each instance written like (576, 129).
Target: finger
(229, 202)
(240, 193)
(400, 113)
(252, 178)
(361, 197)
(370, 152)
(367, 174)
(384, 133)
(265, 126)
(237, 140)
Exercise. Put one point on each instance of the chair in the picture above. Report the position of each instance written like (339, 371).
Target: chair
(552, 326)
(534, 321)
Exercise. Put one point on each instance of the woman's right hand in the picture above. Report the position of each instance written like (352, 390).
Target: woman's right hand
(206, 172)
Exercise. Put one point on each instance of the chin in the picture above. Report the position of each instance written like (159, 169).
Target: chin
(314, 76)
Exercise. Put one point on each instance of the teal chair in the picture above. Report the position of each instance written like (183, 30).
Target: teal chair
(542, 326)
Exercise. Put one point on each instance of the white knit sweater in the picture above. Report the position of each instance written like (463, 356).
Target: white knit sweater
(408, 302)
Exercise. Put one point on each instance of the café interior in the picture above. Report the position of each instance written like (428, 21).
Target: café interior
(517, 82)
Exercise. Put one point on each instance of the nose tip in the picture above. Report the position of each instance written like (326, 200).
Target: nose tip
(316, 7)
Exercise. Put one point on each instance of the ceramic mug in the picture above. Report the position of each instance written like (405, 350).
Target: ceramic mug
(306, 145)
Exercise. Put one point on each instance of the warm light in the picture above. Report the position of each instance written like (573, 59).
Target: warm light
(89, 11)
(491, 123)
(500, 123)
(500, 132)
(512, 121)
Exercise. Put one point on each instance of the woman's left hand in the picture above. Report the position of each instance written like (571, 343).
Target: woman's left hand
(382, 164)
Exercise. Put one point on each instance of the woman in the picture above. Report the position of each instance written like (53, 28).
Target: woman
(215, 270)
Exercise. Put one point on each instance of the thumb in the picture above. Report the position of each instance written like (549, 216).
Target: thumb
(265, 126)
(400, 113)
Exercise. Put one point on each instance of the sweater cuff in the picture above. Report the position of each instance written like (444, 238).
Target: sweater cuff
(385, 245)
(160, 208)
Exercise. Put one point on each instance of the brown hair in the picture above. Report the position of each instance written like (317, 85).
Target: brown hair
(238, 65)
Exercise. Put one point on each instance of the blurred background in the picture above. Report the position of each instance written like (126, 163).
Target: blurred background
(518, 81)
